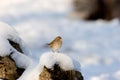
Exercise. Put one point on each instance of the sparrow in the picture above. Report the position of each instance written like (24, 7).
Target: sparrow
(55, 45)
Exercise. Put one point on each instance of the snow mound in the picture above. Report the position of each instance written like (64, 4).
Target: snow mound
(5, 47)
(21, 60)
(9, 33)
(31, 73)
(64, 61)
(48, 59)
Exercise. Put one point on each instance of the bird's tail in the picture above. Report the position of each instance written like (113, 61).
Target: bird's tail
(45, 45)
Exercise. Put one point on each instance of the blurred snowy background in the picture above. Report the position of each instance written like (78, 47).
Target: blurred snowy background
(95, 44)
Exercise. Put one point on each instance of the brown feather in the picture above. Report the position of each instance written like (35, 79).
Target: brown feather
(56, 44)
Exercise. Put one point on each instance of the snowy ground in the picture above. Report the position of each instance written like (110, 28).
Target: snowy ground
(95, 44)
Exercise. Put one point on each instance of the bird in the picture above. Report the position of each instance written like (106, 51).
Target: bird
(55, 45)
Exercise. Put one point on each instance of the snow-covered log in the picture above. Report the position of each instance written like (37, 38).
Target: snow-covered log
(16, 65)
(12, 52)
(54, 66)
(58, 66)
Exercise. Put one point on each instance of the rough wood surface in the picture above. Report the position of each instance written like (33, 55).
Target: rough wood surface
(7, 69)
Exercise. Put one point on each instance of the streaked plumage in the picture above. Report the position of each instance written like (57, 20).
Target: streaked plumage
(56, 44)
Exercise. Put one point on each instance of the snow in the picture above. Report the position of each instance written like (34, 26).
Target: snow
(4, 50)
(21, 60)
(117, 75)
(49, 59)
(8, 32)
(31, 73)
(94, 44)
(101, 77)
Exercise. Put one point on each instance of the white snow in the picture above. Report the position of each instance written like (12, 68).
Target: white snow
(117, 75)
(49, 59)
(21, 60)
(94, 44)
(8, 32)
(4, 47)
(31, 73)
(101, 77)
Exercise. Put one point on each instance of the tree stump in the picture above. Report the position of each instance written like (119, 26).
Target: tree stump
(56, 73)
(8, 68)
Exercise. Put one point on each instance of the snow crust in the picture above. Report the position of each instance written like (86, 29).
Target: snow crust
(8, 32)
(49, 59)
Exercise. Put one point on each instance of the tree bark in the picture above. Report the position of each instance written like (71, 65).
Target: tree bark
(56, 73)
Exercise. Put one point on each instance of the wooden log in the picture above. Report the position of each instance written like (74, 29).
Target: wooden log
(57, 73)
(8, 68)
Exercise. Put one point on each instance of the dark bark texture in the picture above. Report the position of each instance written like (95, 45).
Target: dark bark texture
(56, 73)
(8, 68)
